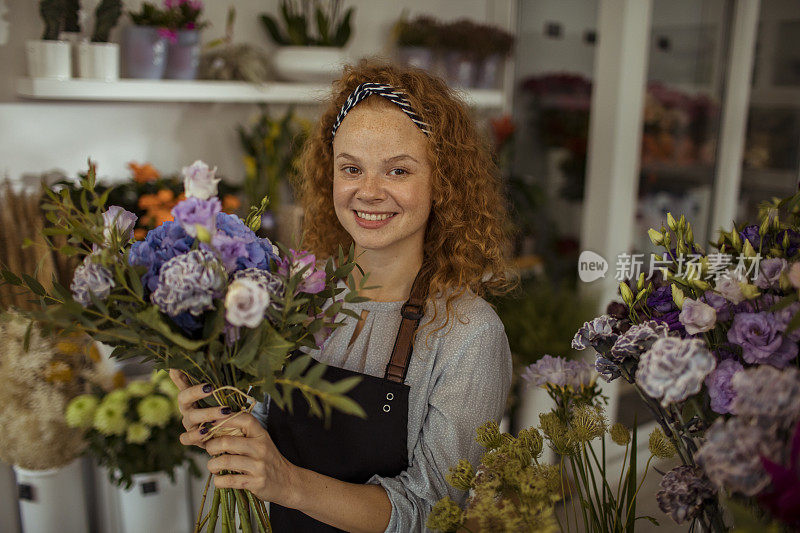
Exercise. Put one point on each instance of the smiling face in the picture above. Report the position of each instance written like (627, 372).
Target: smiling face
(382, 178)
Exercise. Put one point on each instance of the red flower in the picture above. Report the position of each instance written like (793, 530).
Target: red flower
(783, 500)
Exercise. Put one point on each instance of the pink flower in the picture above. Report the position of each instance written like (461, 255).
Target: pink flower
(313, 280)
(168, 34)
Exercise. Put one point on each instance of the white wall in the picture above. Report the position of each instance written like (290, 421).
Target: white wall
(37, 136)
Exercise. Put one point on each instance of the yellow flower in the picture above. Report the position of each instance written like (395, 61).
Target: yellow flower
(68, 347)
(80, 411)
(138, 433)
(155, 410)
(93, 352)
(58, 372)
(109, 418)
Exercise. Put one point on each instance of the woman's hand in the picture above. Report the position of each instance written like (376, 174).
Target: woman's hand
(194, 417)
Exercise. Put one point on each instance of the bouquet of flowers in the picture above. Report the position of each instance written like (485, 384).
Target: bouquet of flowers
(712, 347)
(133, 430)
(512, 490)
(202, 294)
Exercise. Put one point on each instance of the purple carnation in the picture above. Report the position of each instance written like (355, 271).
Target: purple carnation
(761, 339)
(159, 246)
(91, 278)
(637, 340)
(674, 369)
(720, 388)
(193, 212)
(600, 334)
(189, 283)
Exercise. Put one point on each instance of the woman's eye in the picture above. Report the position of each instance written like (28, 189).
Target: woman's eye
(398, 172)
(350, 170)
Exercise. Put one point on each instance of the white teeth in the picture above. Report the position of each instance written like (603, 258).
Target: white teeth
(372, 216)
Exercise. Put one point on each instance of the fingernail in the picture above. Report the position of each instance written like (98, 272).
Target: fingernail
(207, 388)
(203, 431)
(226, 410)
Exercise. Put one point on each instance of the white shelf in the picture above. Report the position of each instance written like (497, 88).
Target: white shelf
(130, 90)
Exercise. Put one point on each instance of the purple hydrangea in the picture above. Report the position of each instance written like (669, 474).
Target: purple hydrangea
(313, 279)
(761, 339)
(600, 334)
(720, 388)
(559, 372)
(770, 271)
(242, 248)
(193, 212)
(189, 283)
(684, 492)
(264, 278)
(673, 369)
(91, 278)
(159, 246)
(121, 220)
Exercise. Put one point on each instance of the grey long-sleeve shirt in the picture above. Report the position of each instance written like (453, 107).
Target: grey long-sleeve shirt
(459, 378)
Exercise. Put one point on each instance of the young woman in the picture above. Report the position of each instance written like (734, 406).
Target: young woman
(396, 167)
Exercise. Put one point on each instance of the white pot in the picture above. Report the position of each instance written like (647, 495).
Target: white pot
(49, 59)
(154, 503)
(52, 500)
(533, 402)
(309, 63)
(98, 61)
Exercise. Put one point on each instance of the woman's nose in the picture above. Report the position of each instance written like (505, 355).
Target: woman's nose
(371, 188)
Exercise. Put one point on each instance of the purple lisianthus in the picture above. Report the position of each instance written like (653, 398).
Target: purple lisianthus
(661, 299)
(159, 246)
(761, 339)
(728, 286)
(719, 303)
(199, 181)
(673, 369)
(751, 233)
(121, 220)
(193, 212)
(559, 372)
(770, 272)
(91, 278)
(784, 316)
(697, 317)
(720, 388)
(600, 334)
(189, 283)
(305, 262)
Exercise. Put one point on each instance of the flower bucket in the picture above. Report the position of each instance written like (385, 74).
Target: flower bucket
(49, 59)
(416, 56)
(52, 500)
(183, 55)
(490, 72)
(98, 61)
(144, 52)
(460, 69)
(308, 63)
(154, 503)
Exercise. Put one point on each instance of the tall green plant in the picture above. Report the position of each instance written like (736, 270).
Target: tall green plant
(52, 13)
(106, 17)
(302, 17)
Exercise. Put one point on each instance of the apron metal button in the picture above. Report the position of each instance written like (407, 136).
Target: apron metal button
(386, 408)
(389, 396)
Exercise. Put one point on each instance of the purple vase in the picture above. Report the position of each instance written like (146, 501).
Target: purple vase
(144, 52)
(183, 55)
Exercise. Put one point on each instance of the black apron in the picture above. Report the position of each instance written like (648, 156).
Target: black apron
(351, 449)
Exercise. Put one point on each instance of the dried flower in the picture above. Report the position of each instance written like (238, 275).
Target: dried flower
(555, 431)
(587, 423)
(155, 410)
(461, 476)
(533, 440)
(80, 411)
(137, 433)
(674, 369)
(659, 445)
(620, 434)
(488, 435)
(684, 492)
(445, 516)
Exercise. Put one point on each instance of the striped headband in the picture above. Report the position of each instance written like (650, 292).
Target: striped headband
(388, 92)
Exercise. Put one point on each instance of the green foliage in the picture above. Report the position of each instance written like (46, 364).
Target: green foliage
(106, 17)
(71, 22)
(463, 35)
(53, 13)
(299, 16)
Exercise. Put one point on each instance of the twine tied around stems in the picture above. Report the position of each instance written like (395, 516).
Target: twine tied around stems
(218, 430)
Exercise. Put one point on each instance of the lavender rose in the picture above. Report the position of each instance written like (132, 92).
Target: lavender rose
(121, 220)
(199, 181)
(770, 272)
(698, 317)
(193, 212)
(91, 278)
(761, 339)
(720, 388)
(673, 369)
(245, 303)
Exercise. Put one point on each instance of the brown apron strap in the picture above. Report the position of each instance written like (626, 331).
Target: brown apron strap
(412, 312)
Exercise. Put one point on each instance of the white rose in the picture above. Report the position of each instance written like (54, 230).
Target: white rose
(697, 316)
(245, 303)
(199, 181)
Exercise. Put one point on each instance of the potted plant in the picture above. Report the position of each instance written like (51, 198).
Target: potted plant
(40, 374)
(144, 44)
(416, 41)
(49, 57)
(133, 432)
(304, 54)
(99, 58)
(494, 48)
(183, 47)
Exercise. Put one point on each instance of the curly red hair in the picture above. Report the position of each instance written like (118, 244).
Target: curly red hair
(467, 235)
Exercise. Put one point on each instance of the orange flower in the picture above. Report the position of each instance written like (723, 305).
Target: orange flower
(502, 128)
(230, 203)
(143, 173)
(139, 234)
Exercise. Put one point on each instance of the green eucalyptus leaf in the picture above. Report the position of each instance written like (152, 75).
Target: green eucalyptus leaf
(152, 317)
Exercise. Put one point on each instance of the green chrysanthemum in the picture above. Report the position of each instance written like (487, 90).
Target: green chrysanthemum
(155, 410)
(80, 411)
(117, 396)
(167, 387)
(140, 389)
(138, 433)
(109, 418)
(446, 516)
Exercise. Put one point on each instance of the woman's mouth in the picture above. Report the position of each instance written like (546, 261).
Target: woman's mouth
(369, 220)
